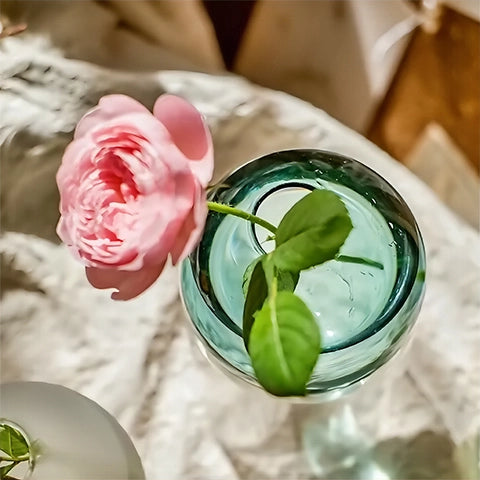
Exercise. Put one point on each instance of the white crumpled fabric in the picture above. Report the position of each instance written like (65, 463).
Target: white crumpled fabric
(136, 359)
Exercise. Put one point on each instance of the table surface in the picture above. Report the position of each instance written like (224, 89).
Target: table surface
(136, 359)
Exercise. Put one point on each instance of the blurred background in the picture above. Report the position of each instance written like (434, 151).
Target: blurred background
(405, 73)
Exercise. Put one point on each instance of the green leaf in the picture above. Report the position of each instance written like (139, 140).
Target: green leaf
(12, 442)
(287, 280)
(314, 246)
(6, 468)
(284, 344)
(247, 275)
(256, 295)
(256, 280)
(311, 232)
(311, 211)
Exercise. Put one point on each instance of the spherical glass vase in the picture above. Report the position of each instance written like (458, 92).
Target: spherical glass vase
(365, 310)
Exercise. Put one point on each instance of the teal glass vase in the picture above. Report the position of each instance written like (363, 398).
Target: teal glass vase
(366, 301)
(364, 311)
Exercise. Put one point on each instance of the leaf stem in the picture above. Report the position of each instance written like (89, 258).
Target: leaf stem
(359, 260)
(227, 210)
(22, 458)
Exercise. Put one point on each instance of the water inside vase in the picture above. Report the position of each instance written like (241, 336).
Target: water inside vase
(345, 297)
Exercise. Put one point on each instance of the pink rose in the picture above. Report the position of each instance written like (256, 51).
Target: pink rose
(132, 188)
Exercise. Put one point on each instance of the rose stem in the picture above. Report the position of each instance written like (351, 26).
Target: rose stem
(227, 210)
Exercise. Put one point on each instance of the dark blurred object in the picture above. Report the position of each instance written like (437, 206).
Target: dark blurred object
(438, 81)
(229, 18)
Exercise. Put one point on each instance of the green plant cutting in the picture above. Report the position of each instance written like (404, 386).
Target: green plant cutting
(14, 450)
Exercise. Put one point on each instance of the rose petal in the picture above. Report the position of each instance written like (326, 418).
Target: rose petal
(189, 133)
(191, 230)
(158, 144)
(128, 284)
(109, 107)
(73, 155)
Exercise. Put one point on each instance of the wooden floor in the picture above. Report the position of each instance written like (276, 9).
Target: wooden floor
(438, 81)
